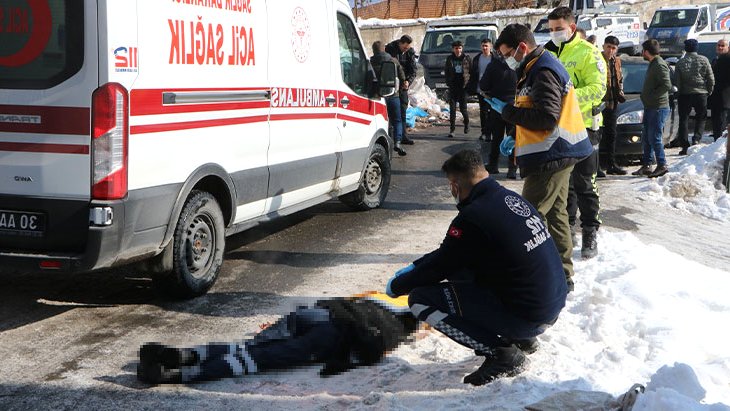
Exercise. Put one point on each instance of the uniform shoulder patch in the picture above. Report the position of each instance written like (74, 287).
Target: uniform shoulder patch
(518, 206)
(455, 232)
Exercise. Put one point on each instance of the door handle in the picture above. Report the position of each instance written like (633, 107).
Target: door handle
(345, 101)
(331, 100)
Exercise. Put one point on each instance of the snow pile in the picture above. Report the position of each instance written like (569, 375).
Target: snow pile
(637, 308)
(695, 183)
(675, 388)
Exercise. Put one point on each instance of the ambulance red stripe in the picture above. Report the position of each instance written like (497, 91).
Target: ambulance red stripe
(149, 101)
(52, 119)
(44, 148)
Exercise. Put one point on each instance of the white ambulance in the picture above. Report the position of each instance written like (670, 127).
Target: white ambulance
(150, 130)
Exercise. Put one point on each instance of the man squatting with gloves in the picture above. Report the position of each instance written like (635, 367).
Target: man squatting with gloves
(342, 333)
(505, 282)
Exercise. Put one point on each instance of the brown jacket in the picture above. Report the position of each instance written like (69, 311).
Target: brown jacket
(615, 85)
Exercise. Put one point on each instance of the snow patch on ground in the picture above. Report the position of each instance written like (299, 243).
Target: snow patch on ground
(637, 308)
(694, 184)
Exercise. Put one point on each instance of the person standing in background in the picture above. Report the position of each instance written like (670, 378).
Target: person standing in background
(401, 49)
(614, 96)
(457, 69)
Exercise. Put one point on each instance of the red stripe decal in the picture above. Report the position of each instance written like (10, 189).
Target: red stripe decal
(188, 125)
(53, 120)
(149, 101)
(45, 148)
(354, 119)
(302, 116)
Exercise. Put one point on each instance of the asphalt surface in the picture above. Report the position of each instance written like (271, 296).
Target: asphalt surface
(70, 341)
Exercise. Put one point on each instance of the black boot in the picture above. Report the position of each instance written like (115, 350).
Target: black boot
(590, 245)
(504, 362)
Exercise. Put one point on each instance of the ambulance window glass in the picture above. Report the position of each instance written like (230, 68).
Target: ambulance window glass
(353, 60)
(36, 52)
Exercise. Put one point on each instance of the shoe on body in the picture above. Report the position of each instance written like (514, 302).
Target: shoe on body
(659, 171)
(616, 171)
(503, 362)
(589, 248)
(642, 171)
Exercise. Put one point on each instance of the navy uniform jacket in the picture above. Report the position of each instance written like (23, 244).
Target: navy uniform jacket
(503, 241)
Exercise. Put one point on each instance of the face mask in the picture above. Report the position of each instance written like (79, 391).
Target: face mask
(512, 62)
(559, 37)
(455, 192)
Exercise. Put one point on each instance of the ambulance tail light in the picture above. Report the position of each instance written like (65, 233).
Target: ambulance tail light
(110, 142)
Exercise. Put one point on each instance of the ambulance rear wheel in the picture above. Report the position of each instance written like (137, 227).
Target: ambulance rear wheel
(197, 248)
(374, 182)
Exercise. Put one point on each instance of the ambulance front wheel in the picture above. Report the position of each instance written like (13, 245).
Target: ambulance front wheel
(374, 182)
(196, 248)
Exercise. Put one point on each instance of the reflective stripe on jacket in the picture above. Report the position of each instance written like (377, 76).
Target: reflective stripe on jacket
(568, 139)
(587, 70)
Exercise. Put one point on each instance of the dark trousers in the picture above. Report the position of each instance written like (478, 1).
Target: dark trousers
(394, 117)
(583, 193)
(498, 127)
(719, 118)
(457, 96)
(485, 117)
(304, 336)
(403, 94)
(687, 102)
(470, 315)
(609, 137)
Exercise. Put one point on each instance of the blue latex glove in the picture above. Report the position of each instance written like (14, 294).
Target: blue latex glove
(507, 146)
(497, 104)
(404, 270)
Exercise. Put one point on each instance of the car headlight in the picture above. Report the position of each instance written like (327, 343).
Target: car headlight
(632, 117)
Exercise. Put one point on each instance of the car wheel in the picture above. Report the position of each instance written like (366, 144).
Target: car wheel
(197, 248)
(374, 182)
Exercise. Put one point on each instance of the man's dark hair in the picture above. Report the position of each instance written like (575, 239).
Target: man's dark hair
(405, 39)
(486, 40)
(651, 46)
(457, 43)
(562, 12)
(378, 47)
(464, 163)
(514, 34)
(612, 40)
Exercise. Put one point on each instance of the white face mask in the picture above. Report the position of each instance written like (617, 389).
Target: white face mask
(512, 62)
(559, 37)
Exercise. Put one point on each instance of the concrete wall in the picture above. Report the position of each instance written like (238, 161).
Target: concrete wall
(418, 30)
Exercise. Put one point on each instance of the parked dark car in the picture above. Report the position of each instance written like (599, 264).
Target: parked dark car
(631, 113)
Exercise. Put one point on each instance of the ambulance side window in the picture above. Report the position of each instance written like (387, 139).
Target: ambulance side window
(353, 61)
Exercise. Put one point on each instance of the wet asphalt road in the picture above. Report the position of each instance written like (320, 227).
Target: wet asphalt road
(70, 341)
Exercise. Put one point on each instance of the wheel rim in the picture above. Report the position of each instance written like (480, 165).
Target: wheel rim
(373, 176)
(199, 245)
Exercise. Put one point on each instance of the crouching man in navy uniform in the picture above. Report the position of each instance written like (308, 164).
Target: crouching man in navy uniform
(505, 282)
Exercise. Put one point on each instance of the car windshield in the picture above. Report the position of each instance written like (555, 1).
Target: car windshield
(634, 73)
(440, 41)
(674, 18)
(543, 26)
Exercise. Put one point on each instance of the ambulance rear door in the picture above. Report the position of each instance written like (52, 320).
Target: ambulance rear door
(48, 72)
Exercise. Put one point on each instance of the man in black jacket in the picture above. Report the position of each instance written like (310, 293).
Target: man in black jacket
(479, 65)
(392, 102)
(498, 81)
(401, 49)
(506, 283)
(342, 333)
(719, 101)
(457, 69)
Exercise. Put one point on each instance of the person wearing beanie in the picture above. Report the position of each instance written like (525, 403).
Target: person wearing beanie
(695, 81)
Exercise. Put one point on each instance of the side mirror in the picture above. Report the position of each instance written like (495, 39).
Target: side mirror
(388, 84)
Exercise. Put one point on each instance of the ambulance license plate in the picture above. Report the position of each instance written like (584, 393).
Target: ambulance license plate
(22, 223)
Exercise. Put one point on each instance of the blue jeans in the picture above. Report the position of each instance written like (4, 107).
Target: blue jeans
(651, 135)
(394, 117)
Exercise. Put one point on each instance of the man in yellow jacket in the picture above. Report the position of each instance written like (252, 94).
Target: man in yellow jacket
(587, 70)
